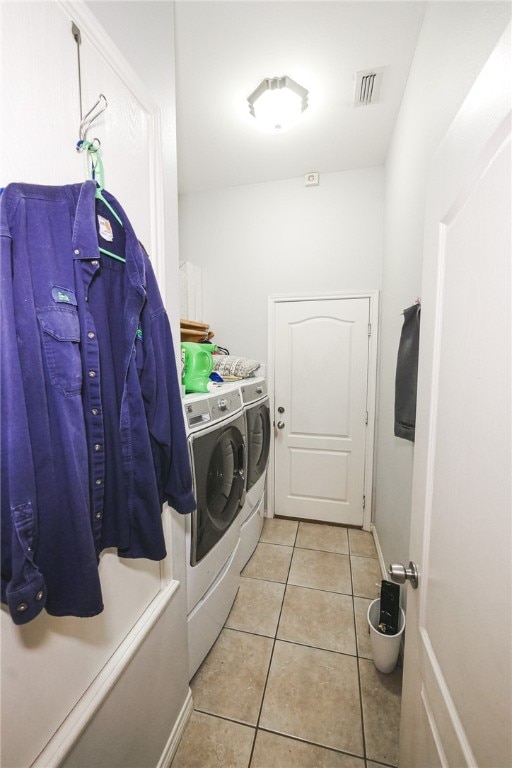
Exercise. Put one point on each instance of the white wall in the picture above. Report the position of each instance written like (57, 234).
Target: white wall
(455, 41)
(280, 237)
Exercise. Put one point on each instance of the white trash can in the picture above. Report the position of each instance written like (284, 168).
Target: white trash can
(385, 648)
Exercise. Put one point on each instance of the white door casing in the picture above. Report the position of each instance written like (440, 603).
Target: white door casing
(320, 465)
(456, 705)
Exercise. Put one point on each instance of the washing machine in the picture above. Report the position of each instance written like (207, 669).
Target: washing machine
(216, 427)
(257, 417)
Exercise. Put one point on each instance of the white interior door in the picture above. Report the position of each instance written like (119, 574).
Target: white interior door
(456, 706)
(40, 125)
(320, 408)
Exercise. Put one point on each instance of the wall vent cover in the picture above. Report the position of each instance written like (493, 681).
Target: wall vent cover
(368, 87)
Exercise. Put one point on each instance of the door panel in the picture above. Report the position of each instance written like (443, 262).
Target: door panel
(329, 483)
(41, 124)
(34, 117)
(457, 706)
(321, 371)
(125, 131)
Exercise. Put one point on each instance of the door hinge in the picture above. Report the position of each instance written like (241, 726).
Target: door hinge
(364, 501)
(76, 33)
(369, 329)
(366, 418)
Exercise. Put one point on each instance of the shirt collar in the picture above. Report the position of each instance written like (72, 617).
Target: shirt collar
(85, 238)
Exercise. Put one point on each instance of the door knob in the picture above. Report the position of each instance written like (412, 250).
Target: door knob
(280, 424)
(400, 574)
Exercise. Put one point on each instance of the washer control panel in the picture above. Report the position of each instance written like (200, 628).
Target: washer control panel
(256, 390)
(225, 403)
(197, 413)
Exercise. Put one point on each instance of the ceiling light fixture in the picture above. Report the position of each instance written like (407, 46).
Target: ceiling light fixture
(277, 103)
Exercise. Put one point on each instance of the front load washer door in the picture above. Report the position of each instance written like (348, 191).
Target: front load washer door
(258, 441)
(219, 464)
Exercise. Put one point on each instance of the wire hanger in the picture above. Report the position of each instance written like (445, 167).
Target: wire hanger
(93, 152)
(91, 116)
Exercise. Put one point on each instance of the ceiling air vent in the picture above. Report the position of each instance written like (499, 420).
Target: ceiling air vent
(368, 83)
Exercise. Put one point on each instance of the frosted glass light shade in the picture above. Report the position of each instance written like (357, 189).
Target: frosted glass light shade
(278, 103)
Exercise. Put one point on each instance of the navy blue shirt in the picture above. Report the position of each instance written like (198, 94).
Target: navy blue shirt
(93, 437)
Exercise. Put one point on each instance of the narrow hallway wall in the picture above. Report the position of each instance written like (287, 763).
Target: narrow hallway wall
(454, 43)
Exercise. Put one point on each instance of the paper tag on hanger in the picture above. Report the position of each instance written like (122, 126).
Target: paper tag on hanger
(105, 229)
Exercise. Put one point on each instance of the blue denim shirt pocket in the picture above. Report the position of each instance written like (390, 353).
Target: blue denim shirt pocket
(60, 328)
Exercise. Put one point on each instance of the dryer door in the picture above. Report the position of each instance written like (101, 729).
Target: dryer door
(219, 464)
(258, 441)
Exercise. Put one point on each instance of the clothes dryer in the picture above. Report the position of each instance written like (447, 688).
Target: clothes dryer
(216, 429)
(257, 417)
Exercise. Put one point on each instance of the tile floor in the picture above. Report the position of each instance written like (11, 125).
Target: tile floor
(289, 682)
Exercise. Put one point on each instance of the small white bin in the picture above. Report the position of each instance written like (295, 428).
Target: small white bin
(385, 648)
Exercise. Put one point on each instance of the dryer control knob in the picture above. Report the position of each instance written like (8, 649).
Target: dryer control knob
(223, 405)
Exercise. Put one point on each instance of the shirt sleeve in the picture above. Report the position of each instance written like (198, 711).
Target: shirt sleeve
(161, 393)
(23, 586)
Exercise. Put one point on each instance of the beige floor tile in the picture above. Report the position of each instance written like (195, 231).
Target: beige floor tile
(231, 680)
(274, 751)
(317, 618)
(278, 531)
(363, 636)
(361, 543)
(366, 577)
(209, 742)
(257, 607)
(329, 538)
(320, 570)
(270, 562)
(381, 712)
(314, 695)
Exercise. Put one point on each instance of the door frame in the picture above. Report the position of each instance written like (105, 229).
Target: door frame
(373, 296)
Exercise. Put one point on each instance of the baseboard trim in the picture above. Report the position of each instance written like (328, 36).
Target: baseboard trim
(382, 564)
(385, 575)
(174, 739)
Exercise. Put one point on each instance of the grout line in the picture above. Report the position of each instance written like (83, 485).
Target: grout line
(313, 744)
(316, 647)
(284, 735)
(363, 732)
(256, 727)
(224, 717)
(272, 653)
(351, 594)
(298, 642)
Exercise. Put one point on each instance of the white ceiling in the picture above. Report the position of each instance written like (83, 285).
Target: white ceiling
(224, 50)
